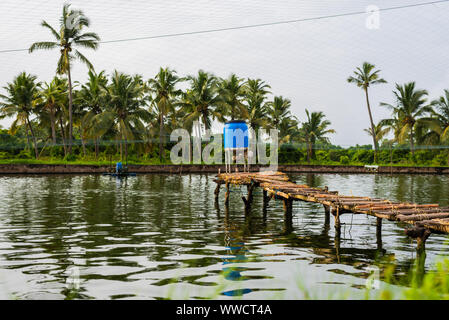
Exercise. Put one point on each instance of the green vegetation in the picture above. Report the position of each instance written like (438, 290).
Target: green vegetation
(120, 116)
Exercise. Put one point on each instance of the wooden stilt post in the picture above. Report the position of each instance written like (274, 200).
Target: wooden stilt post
(217, 191)
(288, 215)
(227, 194)
(249, 199)
(420, 234)
(379, 233)
(336, 213)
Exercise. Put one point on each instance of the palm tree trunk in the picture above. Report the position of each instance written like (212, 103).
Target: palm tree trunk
(34, 138)
(70, 108)
(96, 148)
(161, 131)
(28, 137)
(309, 152)
(63, 136)
(53, 125)
(126, 150)
(83, 143)
(372, 125)
(412, 143)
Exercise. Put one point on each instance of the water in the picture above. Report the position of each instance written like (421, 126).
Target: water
(161, 236)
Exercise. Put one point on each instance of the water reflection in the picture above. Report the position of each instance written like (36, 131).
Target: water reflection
(142, 236)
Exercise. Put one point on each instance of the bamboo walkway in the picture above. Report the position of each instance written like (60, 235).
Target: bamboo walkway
(425, 218)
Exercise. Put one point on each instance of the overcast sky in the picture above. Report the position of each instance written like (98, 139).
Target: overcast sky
(307, 62)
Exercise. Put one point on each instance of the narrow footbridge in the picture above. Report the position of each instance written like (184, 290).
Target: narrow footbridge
(425, 218)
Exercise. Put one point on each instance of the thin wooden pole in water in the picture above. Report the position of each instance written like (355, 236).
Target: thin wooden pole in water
(227, 194)
(217, 191)
(379, 233)
(249, 199)
(288, 215)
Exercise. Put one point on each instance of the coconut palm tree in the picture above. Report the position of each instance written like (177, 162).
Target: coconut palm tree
(69, 36)
(409, 110)
(277, 110)
(364, 77)
(315, 130)
(200, 100)
(380, 131)
(20, 102)
(125, 112)
(232, 92)
(52, 98)
(288, 130)
(92, 97)
(165, 98)
(256, 107)
(442, 116)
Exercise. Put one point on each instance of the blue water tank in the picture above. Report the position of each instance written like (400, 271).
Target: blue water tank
(118, 166)
(235, 134)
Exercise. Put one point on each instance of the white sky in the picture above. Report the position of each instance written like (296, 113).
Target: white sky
(307, 62)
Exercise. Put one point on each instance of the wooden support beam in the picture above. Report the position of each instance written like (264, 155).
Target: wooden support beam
(217, 191)
(249, 199)
(379, 233)
(227, 194)
(420, 234)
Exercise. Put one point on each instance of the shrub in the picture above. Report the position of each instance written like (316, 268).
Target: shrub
(70, 157)
(289, 154)
(56, 151)
(364, 156)
(24, 155)
(344, 160)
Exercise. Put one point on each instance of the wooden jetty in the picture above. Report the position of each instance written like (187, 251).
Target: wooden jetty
(425, 218)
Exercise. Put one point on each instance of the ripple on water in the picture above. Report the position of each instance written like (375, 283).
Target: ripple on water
(159, 236)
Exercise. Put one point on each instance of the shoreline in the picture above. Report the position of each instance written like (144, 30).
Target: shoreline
(6, 169)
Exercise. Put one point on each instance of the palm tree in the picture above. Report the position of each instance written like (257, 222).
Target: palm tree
(164, 88)
(315, 130)
(20, 102)
(92, 96)
(277, 110)
(288, 130)
(442, 116)
(364, 77)
(200, 101)
(409, 111)
(380, 130)
(51, 98)
(70, 35)
(125, 111)
(231, 92)
(255, 95)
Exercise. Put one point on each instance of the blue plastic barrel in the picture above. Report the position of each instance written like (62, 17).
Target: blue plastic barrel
(235, 134)
(118, 167)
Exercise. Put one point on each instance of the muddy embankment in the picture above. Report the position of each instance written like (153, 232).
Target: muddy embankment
(183, 169)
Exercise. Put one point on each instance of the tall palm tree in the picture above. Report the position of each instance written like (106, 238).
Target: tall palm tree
(200, 101)
(231, 92)
(255, 96)
(51, 98)
(70, 36)
(166, 93)
(92, 96)
(126, 112)
(277, 110)
(20, 101)
(409, 110)
(364, 77)
(313, 130)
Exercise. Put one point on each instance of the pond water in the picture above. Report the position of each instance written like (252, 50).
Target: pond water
(163, 236)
